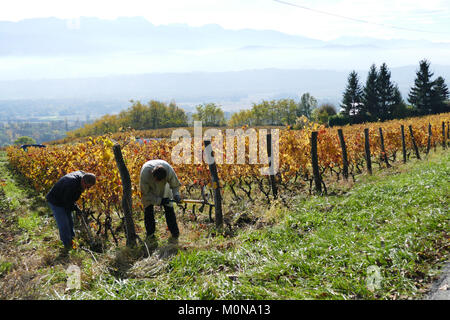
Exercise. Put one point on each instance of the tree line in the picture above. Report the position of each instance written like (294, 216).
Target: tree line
(138, 116)
(378, 100)
(157, 115)
(276, 112)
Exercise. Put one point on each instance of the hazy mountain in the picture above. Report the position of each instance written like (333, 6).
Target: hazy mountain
(91, 47)
(383, 43)
(233, 90)
(91, 63)
(52, 36)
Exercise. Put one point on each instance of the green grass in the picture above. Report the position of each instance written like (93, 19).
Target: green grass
(5, 267)
(30, 247)
(397, 222)
(322, 247)
(30, 222)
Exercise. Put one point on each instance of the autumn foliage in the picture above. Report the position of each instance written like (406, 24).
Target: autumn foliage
(43, 167)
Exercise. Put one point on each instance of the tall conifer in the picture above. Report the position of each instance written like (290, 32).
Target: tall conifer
(385, 90)
(370, 92)
(420, 95)
(352, 98)
(440, 94)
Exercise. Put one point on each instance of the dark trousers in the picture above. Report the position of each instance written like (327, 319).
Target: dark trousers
(64, 222)
(149, 220)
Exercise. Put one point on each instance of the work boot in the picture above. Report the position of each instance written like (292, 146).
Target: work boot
(173, 240)
(151, 242)
(64, 251)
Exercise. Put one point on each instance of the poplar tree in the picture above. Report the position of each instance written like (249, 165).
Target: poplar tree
(307, 104)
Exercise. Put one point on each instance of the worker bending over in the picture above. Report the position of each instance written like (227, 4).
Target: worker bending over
(158, 184)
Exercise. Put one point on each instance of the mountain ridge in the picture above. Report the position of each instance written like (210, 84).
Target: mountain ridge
(227, 88)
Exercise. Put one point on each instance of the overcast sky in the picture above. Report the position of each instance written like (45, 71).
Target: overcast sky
(320, 19)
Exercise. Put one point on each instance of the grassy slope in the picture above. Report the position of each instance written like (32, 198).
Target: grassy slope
(321, 249)
(396, 220)
(28, 243)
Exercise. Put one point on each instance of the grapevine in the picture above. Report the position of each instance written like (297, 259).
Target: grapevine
(44, 166)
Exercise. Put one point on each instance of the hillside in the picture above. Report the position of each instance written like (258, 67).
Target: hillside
(321, 247)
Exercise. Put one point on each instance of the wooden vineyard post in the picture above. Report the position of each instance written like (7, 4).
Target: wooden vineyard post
(403, 143)
(416, 150)
(344, 154)
(444, 143)
(448, 129)
(429, 138)
(215, 184)
(315, 162)
(383, 150)
(367, 149)
(126, 200)
(271, 175)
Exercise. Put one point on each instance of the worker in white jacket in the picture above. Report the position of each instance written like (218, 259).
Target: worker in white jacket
(159, 183)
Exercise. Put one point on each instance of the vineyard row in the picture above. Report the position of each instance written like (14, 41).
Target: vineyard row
(305, 157)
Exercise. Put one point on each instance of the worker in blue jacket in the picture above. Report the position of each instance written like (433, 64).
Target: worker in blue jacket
(62, 200)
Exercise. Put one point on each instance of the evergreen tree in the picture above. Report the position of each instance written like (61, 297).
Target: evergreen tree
(399, 108)
(370, 93)
(397, 97)
(352, 99)
(440, 94)
(420, 95)
(385, 90)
